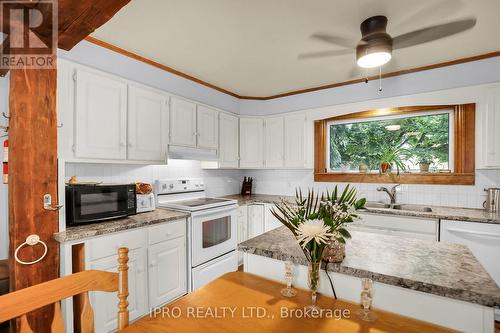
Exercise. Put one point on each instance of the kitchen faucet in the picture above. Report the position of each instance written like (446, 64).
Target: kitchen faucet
(391, 193)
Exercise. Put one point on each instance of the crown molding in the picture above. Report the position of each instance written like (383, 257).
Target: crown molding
(291, 93)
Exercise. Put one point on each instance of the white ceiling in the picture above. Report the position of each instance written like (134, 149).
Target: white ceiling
(250, 47)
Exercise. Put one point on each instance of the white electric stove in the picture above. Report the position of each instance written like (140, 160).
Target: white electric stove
(211, 229)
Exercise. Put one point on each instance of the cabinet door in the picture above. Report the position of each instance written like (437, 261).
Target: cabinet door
(295, 156)
(273, 142)
(255, 220)
(207, 127)
(491, 122)
(271, 222)
(228, 141)
(147, 125)
(65, 110)
(251, 143)
(242, 229)
(167, 271)
(101, 116)
(182, 122)
(105, 304)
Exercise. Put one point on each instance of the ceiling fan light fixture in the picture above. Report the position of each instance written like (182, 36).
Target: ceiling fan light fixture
(375, 59)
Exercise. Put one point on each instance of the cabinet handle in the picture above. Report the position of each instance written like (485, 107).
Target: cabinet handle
(122, 144)
(153, 263)
(475, 233)
(130, 145)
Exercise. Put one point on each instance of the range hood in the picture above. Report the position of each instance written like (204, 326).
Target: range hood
(188, 153)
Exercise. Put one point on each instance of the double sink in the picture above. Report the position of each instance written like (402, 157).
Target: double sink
(407, 207)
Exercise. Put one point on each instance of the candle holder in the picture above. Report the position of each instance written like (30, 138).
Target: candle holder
(288, 291)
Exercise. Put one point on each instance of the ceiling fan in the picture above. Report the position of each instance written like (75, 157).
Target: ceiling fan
(376, 45)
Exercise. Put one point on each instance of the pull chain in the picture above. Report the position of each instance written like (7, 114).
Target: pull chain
(380, 78)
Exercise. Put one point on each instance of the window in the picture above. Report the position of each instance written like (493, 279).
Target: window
(422, 142)
(425, 144)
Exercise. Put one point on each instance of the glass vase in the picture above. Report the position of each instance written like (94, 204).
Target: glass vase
(313, 283)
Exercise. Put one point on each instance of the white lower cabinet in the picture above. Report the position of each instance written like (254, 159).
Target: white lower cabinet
(157, 270)
(242, 216)
(271, 222)
(105, 304)
(167, 271)
(255, 220)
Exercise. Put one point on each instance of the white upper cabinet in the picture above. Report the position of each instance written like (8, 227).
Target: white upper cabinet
(101, 117)
(182, 122)
(147, 125)
(273, 142)
(490, 124)
(251, 143)
(207, 125)
(295, 145)
(228, 141)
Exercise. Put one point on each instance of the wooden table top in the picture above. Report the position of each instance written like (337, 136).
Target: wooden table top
(240, 302)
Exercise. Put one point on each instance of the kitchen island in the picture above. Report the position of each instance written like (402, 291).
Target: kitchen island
(436, 282)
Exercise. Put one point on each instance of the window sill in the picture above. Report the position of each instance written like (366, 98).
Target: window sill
(406, 178)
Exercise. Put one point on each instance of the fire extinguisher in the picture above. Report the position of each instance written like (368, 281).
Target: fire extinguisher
(6, 161)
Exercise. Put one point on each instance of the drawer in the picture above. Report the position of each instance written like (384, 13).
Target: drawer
(398, 223)
(108, 245)
(165, 231)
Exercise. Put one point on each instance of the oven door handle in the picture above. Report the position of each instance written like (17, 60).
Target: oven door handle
(215, 210)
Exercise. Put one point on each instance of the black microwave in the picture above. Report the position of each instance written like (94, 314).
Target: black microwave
(95, 203)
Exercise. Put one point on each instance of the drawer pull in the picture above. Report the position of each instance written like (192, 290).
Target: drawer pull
(475, 233)
(168, 233)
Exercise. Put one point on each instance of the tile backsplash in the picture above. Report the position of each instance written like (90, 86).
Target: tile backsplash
(218, 182)
(285, 181)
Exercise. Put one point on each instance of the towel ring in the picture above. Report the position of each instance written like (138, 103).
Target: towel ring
(31, 240)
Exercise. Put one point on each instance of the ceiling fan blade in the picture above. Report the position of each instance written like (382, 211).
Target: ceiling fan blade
(323, 54)
(345, 42)
(432, 33)
(430, 12)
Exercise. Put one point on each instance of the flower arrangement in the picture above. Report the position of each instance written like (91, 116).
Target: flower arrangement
(318, 220)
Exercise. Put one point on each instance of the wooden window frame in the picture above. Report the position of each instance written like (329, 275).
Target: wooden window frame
(464, 148)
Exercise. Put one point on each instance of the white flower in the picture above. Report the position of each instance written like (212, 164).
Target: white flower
(313, 230)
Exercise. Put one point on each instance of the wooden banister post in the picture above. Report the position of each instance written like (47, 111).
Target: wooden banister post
(122, 288)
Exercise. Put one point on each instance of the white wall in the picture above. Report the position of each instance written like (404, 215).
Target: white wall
(218, 182)
(4, 211)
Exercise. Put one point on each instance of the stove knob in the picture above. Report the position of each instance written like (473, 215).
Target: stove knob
(171, 186)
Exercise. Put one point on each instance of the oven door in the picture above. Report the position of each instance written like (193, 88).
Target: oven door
(213, 233)
(96, 203)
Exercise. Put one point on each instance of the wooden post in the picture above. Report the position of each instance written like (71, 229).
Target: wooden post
(33, 173)
(122, 288)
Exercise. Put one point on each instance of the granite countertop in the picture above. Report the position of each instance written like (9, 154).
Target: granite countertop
(83, 232)
(443, 269)
(438, 212)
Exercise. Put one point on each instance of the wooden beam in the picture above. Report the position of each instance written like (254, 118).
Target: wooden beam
(79, 18)
(33, 173)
